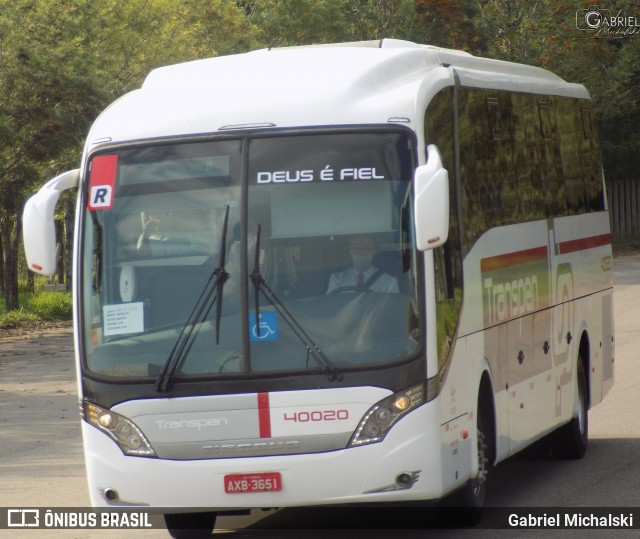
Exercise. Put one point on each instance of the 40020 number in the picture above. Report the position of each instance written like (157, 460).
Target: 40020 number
(317, 416)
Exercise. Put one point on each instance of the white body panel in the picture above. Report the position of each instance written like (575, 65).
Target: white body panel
(337, 85)
(334, 477)
(563, 272)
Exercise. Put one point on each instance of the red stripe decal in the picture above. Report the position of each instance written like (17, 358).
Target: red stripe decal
(264, 415)
(583, 244)
(513, 259)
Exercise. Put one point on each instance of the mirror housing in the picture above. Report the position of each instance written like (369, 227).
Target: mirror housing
(431, 202)
(38, 227)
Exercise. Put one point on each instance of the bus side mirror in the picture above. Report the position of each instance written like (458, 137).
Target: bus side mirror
(38, 227)
(431, 202)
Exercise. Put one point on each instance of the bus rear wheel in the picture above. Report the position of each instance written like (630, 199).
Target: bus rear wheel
(190, 525)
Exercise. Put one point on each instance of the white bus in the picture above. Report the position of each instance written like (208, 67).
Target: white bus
(362, 273)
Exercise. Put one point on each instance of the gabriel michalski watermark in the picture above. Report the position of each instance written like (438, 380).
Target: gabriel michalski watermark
(603, 23)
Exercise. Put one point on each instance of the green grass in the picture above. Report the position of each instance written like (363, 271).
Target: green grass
(39, 306)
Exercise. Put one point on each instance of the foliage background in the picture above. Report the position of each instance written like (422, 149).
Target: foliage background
(63, 61)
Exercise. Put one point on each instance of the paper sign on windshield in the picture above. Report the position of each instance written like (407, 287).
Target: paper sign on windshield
(123, 319)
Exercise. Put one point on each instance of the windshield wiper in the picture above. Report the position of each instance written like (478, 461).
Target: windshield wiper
(211, 293)
(260, 285)
(221, 273)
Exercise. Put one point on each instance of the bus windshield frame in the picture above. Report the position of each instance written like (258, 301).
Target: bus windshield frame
(303, 208)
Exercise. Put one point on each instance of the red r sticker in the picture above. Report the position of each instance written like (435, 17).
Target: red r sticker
(102, 182)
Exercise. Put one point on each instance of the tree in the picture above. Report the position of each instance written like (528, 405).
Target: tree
(552, 36)
(283, 23)
(46, 96)
(70, 59)
(450, 23)
(378, 19)
(139, 35)
(63, 61)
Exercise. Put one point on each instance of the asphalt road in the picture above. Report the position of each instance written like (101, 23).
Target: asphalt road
(41, 460)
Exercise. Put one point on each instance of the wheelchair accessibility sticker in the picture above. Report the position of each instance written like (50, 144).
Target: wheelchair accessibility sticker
(266, 329)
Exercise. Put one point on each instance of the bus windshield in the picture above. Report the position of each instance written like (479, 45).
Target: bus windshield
(252, 255)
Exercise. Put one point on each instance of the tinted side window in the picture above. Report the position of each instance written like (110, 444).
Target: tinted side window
(525, 157)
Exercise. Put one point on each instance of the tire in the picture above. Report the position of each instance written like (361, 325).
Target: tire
(571, 440)
(190, 525)
(464, 507)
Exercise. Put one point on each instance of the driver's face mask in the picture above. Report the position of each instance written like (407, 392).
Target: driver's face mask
(362, 262)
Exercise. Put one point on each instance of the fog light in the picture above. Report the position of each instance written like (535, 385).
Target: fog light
(404, 479)
(111, 495)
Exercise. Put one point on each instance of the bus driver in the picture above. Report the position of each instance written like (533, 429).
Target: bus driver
(362, 273)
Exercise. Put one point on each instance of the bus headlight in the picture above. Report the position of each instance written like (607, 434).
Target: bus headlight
(120, 429)
(382, 416)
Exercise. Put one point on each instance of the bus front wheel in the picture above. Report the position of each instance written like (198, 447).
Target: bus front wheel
(465, 506)
(190, 525)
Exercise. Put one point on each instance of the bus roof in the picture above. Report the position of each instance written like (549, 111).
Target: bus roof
(358, 83)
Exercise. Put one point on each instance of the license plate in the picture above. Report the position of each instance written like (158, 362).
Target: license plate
(253, 482)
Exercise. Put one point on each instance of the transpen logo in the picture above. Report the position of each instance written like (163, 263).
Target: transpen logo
(193, 423)
(514, 284)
